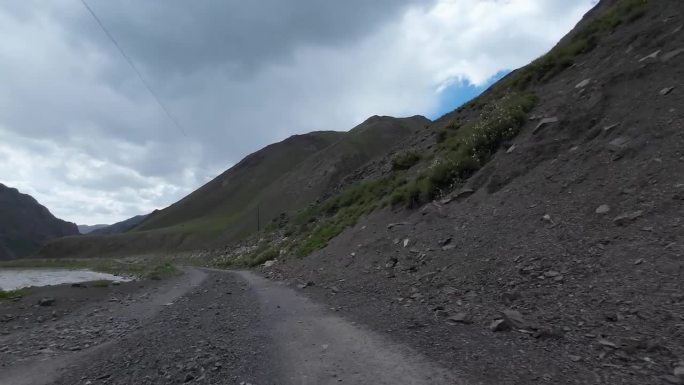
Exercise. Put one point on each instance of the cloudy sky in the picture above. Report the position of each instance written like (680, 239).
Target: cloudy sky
(81, 133)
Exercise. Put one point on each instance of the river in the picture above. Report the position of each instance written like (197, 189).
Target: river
(11, 279)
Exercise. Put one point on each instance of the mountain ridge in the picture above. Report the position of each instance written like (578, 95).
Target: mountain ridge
(85, 229)
(26, 224)
(120, 227)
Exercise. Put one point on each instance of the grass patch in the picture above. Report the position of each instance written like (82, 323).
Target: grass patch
(344, 210)
(161, 271)
(100, 283)
(11, 294)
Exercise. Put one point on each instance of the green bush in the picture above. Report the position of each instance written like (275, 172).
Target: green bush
(262, 256)
(454, 167)
(405, 160)
(422, 190)
(500, 121)
(398, 196)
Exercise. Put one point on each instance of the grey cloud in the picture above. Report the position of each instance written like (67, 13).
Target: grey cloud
(235, 35)
(182, 48)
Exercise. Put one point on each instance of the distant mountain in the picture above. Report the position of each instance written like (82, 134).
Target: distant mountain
(25, 224)
(120, 227)
(85, 229)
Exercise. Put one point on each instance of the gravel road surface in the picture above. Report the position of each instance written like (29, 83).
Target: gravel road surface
(204, 327)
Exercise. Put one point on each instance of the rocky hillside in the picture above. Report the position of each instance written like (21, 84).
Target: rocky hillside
(259, 191)
(534, 235)
(25, 224)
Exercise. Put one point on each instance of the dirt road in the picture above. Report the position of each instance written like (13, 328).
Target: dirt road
(206, 327)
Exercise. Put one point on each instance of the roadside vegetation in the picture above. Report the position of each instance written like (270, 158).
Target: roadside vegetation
(323, 222)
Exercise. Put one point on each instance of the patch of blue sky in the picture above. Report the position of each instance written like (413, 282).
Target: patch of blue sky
(460, 92)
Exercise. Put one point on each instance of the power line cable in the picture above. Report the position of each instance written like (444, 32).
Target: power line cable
(135, 69)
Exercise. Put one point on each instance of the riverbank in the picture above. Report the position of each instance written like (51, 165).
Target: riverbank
(139, 267)
(12, 280)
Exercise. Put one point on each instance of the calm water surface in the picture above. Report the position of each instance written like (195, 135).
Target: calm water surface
(11, 279)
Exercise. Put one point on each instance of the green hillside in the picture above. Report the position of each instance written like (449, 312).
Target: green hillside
(229, 197)
(279, 179)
